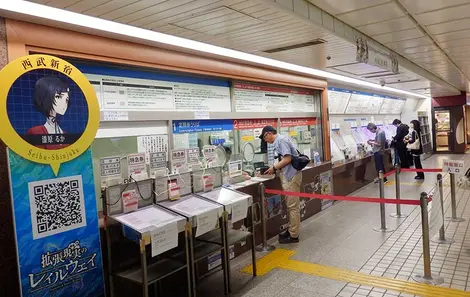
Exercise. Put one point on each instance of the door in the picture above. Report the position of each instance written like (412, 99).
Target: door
(449, 127)
(442, 126)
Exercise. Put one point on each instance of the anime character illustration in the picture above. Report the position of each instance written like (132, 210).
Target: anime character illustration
(51, 98)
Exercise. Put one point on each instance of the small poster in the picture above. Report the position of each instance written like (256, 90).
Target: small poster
(235, 168)
(152, 143)
(110, 167)
(136, 164)
(173, 189)
(208, 182)
(208, 151)
(164, 238)
(129, 201)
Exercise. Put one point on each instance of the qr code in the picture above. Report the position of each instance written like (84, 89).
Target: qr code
(57, 205)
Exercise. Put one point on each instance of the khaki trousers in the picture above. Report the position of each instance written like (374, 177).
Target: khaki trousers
(293, 202)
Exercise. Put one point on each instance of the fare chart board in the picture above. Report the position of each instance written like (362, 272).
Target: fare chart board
(338, 100)
(124, 93)
(364, 103)
(343, 101)
(259, 98)
(392, 105)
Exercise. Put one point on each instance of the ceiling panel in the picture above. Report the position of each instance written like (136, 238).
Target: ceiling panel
(452, 36)
(417, 6)
(374, 14)
(258, 25)
(443, 15)
(402, 23)
(341, 6)
(399, 35)
(446, 27)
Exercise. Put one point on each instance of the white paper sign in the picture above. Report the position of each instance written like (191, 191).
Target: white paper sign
(436, 218)
(453, 166)
(201, 115)
(239, 210)
(206, 222)
(164, 238)
(115, 115)
(110, 166)
(136, 164)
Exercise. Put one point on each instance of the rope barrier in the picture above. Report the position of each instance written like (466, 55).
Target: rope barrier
(390, 173)
(343, 198)
(421, 170)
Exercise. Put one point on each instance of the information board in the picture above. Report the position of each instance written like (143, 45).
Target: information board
(258, 98)
(392, 105)
(194, 126)
(124, 93)
(338, 100)
(364, 103)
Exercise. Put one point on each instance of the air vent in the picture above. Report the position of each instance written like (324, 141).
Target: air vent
(295, 46)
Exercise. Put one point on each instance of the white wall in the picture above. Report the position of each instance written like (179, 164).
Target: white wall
(410, 110)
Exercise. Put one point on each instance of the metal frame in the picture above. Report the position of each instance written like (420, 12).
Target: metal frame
(143, 242)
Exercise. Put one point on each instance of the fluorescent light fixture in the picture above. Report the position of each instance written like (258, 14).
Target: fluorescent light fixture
(68, 17)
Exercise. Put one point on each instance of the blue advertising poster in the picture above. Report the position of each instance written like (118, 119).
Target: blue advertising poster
(193, 126)
(49, 115)
(57, 231)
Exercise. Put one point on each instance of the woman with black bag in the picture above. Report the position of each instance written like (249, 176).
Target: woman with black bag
(415, 146)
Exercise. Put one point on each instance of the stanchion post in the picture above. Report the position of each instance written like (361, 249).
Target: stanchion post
(427, 277)
(453, 201)
(442, 233)
(383, 226)
(265, 247)
(398, 214)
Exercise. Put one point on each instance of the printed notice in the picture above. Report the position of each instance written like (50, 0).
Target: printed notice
(157, 160)
(235, 168)
(259, 98)
(206, 222)
(164, 238)
(125, 93)
(115, 115)
(392, 106)
(338, 100)
(239, 210)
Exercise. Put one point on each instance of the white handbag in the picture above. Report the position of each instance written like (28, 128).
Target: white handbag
(416, 144)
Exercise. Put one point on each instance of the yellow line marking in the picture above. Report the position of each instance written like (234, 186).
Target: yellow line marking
(280, 259)
(414, 184)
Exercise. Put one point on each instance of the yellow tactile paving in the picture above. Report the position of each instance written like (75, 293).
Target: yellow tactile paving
(414, 184)
(280, 259)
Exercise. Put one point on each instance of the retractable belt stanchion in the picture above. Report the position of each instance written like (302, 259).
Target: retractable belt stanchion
(398, 214)
(265, 247)
(427, 277)
(383, 226)
(442, 235)
(454, 217)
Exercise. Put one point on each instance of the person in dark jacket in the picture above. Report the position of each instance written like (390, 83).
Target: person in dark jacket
(415, 128)
(399, 143)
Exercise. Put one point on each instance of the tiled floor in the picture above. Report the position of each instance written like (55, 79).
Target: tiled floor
(343, 237)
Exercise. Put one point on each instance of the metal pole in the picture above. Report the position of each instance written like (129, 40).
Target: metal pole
(265, 247)
(383, 226)
(427, 278)
(454, 217)
(398, 214)
(143, 264)
(442, 235)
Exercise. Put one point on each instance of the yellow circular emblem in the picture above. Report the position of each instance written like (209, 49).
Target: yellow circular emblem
(39, 93)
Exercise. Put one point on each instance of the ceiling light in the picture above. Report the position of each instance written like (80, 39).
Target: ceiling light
(68, 17)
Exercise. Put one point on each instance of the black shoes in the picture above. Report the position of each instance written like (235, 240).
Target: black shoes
(285, 238)
(419, 177)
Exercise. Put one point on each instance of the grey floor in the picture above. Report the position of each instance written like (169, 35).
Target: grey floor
(343, 236)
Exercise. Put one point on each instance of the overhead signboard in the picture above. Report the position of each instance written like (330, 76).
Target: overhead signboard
(260, 98)
(370, 53)
(194, 126)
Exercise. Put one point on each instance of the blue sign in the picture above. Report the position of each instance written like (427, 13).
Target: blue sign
(56, 225)
(194, 126)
